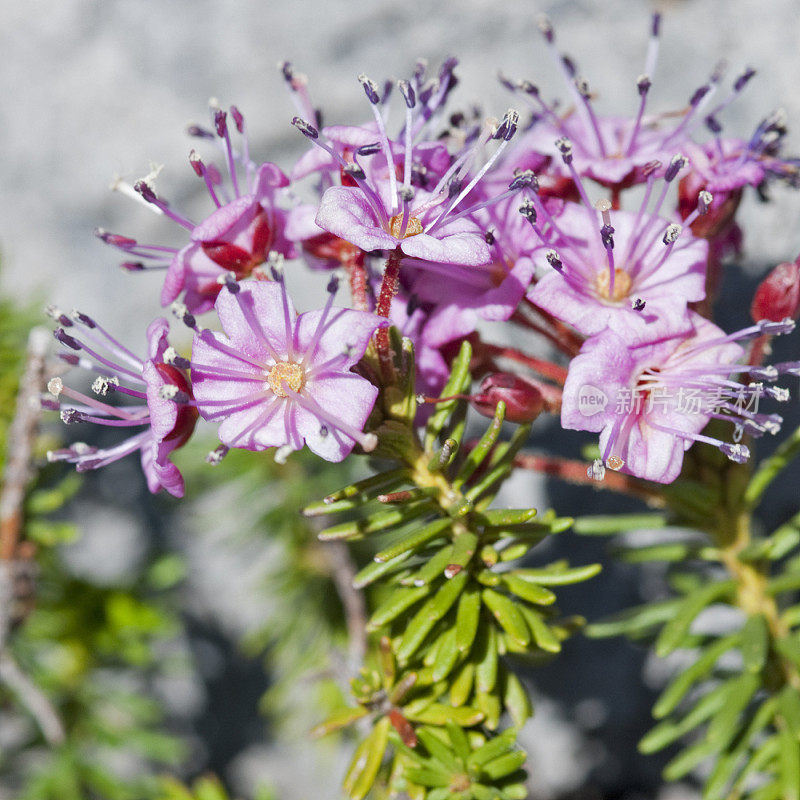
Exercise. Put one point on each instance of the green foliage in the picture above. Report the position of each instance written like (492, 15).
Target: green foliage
(735, 703)
(450, 598)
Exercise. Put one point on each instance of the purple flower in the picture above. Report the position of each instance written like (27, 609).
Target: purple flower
(385, 205)
(165, 412)
(649, 390)
(617, 264)
(614, 150)
(235, 238)
(277, 380)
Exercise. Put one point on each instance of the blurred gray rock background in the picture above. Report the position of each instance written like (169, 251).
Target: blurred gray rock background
(98, 88)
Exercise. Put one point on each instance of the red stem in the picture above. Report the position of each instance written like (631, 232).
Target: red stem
(546, 368)
(353, 262)
(575, 472)
(389, 285)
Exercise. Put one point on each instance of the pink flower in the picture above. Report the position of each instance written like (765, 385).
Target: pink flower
(235, 238)
(649, 390)
(615, 149)
(385, 206)
(623, 265)
(165, 411)
(275, 379)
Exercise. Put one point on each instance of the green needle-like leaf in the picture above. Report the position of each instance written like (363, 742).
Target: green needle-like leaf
(467, 618)
(755, 643)
(494, 748)
(527, 590)
(458, 383)
(685, 679)
(504, 765)
(379, 521)
(339, 720)
(486, 655)
(398, 601)
(516, 699)
(430, 613)
(367, 761)
(675, 631)
(478, 453)
(412, 542)
(507, 615)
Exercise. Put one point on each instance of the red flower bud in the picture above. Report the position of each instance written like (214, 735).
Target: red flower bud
(524, 400)
(778, 295)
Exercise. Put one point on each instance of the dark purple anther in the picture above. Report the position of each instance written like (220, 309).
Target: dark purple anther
(607, 235)
(407, 90)
(238, 119)
(132, 266)
(554, 260)
(84, 319)
(743, 79)
(306, 128)
(528, 210)
(569, 65)
(65, 339)
(57, 315)
(146, 191)
(507, 82)
(546, 29)
(713, 124)
(369, 149)
(446, 70)
(230, 283)
(197, 164)
(704, 201)
(643, 84)
(370, 89)
(564, 146)
(671, 234)
(637, 304)
(655, 29)
(508, 127)
(699, 95)
(524, 179)
(354, 171)
(675, 166)
(199, 132)
(287, 70)
(221, 123)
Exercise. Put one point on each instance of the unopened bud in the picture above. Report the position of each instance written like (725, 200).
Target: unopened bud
(778, 295)
(524, 401)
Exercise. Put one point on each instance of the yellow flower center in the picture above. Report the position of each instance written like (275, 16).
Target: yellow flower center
(283, 374)
(622, 284)
(396, 226)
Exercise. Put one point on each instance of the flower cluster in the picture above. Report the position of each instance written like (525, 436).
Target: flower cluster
(441, 224)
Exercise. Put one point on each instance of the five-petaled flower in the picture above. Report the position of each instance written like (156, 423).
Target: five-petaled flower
(276, 379)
